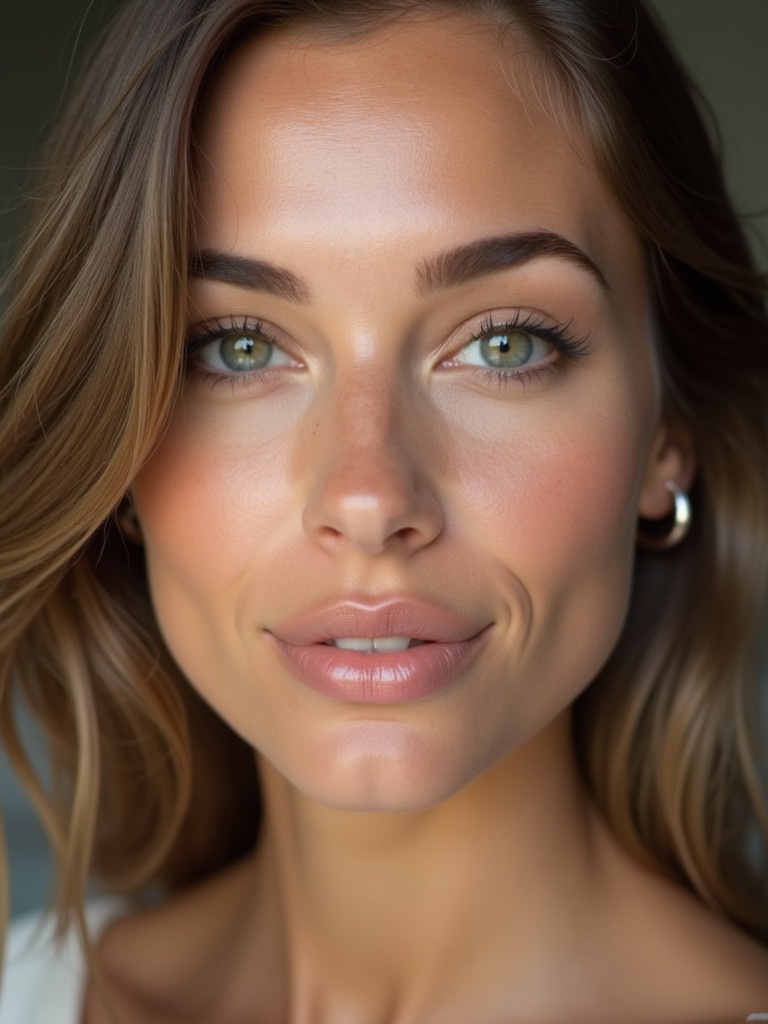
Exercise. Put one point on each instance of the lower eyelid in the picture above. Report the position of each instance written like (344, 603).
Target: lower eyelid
(524, 377)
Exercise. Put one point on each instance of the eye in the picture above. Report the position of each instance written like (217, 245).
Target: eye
(231, 349)
(524, 347)
(505, 347)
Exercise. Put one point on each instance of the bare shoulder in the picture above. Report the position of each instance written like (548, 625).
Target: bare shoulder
(148, 957)
(735, 961)
(738, 966)
(697, 965)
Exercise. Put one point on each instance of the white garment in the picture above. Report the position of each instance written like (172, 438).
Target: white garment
(44, 983)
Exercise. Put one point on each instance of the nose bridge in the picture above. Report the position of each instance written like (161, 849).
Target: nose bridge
(370, 489)
(364, 418)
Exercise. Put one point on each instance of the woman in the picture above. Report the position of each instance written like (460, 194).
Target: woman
(368, 367)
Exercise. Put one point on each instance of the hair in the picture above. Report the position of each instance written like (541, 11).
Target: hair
(147, 785)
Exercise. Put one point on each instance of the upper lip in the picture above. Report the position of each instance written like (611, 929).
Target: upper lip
(413, 617)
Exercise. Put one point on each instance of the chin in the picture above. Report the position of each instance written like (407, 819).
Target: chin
(378, 795)
(375, 766)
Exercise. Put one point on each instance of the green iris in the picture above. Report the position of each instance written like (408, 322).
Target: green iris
(242, 353)
(506, 349)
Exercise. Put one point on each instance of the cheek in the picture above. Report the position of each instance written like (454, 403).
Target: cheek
(553, 515)
(212, 507)
(565, 490)
(213, 492)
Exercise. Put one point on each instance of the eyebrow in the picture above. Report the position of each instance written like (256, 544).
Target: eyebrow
(504, 252)
(247, 272)
(457, 266)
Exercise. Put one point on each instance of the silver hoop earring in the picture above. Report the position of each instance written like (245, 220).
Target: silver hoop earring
(681, 523)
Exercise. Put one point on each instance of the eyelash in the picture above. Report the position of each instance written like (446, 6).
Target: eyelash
(568, 346)
(216, 330)
(559, 336)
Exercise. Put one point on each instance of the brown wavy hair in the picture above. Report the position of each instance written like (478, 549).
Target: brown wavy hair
(148, 786)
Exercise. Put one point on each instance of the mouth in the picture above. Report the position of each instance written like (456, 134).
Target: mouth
(398, 650)
(396, 623)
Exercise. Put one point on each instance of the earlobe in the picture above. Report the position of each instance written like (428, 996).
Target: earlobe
(665, 508)
(662, 534)
(672, 460)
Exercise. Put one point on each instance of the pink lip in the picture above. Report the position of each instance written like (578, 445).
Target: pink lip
(450, 643)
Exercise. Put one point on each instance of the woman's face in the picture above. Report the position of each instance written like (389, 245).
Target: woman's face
(421, 414)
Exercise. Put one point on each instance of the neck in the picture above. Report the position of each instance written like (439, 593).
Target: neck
(386, 916)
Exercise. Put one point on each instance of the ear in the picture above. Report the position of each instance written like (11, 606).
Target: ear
(127, 520)
(672, 457)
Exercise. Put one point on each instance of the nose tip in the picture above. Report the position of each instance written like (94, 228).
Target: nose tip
(373, 504)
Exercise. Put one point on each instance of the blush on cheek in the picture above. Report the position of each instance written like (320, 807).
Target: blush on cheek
(561, 525)
(572, 508)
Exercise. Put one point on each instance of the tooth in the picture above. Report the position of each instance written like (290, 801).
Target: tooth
(354, 644)
(382, 644)
(385, 644)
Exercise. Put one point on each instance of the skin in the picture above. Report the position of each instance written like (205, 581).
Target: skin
(434, 860)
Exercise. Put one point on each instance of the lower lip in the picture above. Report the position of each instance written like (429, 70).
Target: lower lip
(392, 678)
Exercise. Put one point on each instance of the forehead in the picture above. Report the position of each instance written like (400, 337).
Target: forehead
(411, 127)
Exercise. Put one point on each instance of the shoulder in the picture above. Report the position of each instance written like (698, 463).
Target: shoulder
(42, 976)
(663, 949)
(160, 956)
(704, 962)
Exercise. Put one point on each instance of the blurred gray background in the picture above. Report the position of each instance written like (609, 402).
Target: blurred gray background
(43, 42)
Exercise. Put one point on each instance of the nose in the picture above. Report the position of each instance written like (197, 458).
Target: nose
(370, 490)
